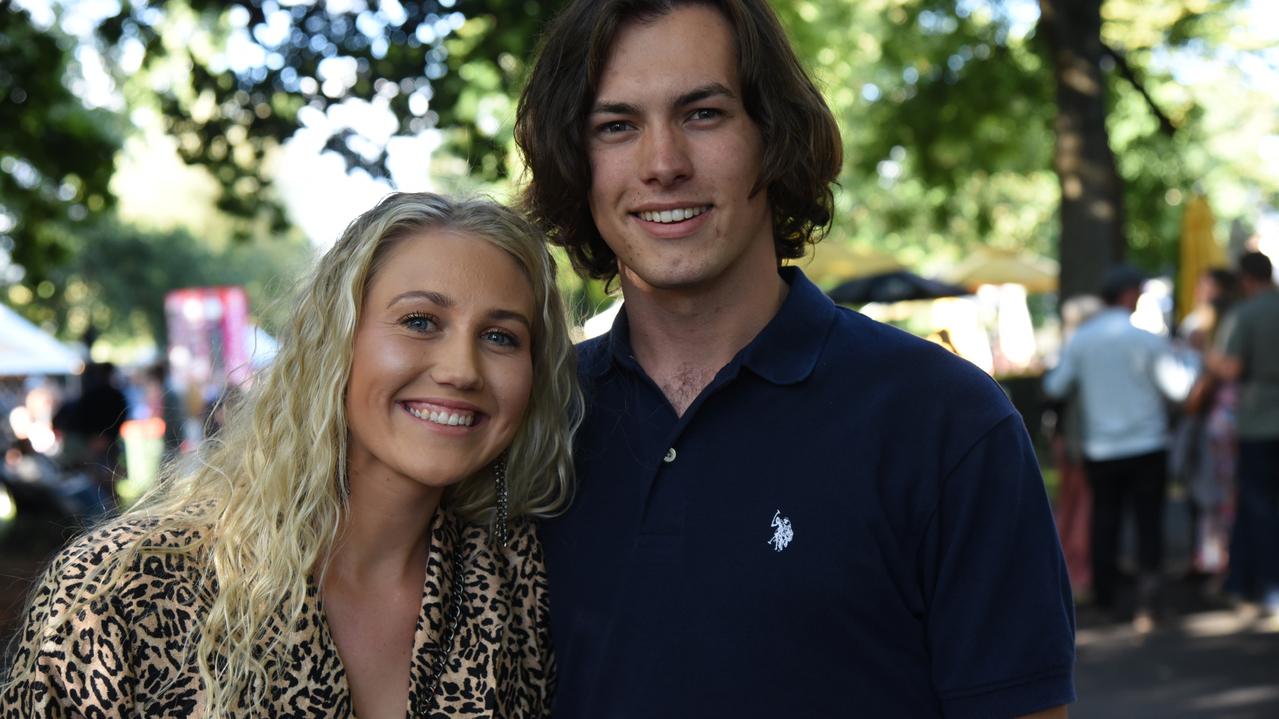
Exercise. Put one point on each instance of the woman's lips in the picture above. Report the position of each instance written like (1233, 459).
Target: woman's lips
(443, 415)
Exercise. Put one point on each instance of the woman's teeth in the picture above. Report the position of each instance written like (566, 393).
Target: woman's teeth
(453, 418)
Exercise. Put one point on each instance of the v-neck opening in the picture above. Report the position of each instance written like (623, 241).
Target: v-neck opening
(437, 585)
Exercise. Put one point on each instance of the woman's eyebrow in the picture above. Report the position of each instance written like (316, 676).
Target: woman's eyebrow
(515, 315)
(440, 299)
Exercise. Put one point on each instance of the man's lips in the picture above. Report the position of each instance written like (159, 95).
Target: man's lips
(670, 215)
(694, 216)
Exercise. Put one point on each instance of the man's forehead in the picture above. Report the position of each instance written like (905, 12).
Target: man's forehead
(686, 52)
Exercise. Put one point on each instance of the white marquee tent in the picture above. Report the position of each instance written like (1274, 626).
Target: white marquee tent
(27, 350)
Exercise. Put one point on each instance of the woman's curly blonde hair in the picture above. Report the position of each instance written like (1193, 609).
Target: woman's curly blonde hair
(266, 500)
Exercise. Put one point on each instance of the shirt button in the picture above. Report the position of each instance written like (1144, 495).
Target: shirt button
(670, 456)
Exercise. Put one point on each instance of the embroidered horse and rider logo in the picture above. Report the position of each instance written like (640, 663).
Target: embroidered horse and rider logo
(782, 532)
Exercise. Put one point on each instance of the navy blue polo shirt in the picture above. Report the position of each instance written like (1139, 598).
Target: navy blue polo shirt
(848, 521)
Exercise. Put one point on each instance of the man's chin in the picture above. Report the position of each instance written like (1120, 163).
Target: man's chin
(666, 279)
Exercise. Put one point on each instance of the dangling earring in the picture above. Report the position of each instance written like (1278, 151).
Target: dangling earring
(501, 531)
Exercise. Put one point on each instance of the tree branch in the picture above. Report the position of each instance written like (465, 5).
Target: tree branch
(1166, 125)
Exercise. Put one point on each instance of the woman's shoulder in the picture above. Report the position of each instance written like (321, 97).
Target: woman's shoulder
(131, 560)
(514, 570)
(125, 589)
(146, 535)
(522, 544)
(127, 531)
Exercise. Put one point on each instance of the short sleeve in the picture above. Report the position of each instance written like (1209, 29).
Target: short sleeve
(1000, 616)
(1231, 338)
(81, 663)
(1060, 379)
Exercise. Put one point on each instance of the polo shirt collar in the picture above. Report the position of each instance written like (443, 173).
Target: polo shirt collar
(784, 352)
(787, 349)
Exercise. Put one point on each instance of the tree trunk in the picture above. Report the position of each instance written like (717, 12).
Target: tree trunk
(1092, 207)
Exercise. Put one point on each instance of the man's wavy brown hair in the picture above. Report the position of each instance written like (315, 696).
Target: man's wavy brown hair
(802, 150)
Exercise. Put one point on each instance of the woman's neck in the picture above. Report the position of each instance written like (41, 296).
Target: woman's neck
(386, 534)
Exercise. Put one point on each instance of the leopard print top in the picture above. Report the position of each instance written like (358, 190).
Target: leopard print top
(126, 655)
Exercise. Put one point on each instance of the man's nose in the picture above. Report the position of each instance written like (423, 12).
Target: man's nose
(666, 156)
(457, 363)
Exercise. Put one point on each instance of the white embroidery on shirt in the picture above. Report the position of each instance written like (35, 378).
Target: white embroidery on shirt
(782, 532)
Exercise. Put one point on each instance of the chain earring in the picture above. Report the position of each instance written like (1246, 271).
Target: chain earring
(501, 530)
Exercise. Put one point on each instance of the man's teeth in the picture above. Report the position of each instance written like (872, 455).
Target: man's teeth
(683, 213)
(452, 419)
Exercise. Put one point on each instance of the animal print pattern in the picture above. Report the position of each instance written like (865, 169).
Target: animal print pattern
(131, 654)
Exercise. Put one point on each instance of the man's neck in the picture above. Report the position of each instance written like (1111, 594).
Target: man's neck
(683, 337)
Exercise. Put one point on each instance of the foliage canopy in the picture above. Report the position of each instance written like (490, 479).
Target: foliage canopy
(947, 109)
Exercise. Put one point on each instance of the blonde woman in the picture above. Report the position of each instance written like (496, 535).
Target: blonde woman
(358, 539)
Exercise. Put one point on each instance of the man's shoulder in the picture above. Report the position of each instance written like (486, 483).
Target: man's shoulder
(1254, 317)
(591, 350)
(862, 349)
(592, 358)
(1261, 309)
(874, 374)
(1113, 328)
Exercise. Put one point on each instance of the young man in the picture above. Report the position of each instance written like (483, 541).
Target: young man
(784, 509)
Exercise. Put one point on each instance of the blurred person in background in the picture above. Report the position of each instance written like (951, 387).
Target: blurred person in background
(1073, 507)
(32, 418)
(1123, 377)
(1247, 352)
(1204, 448)
(356, 540)
(166, 404)
(89, 428)
(22, 462)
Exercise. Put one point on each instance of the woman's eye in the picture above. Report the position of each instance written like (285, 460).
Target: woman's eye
(418, 322)
(501, 338)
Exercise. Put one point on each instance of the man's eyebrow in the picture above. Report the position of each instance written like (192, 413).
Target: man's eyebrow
(435, 297)
(614, 108)
(698, 94)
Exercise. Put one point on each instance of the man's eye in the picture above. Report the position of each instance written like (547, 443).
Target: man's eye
(705, 113)
(418, 322)
(613, 127)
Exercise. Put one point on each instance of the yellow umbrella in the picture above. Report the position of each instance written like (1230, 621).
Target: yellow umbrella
(832, 263)
(1199, 251)
(993, 266)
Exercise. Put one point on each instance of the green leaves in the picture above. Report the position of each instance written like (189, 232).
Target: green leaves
(56, 155)
(946, 108)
